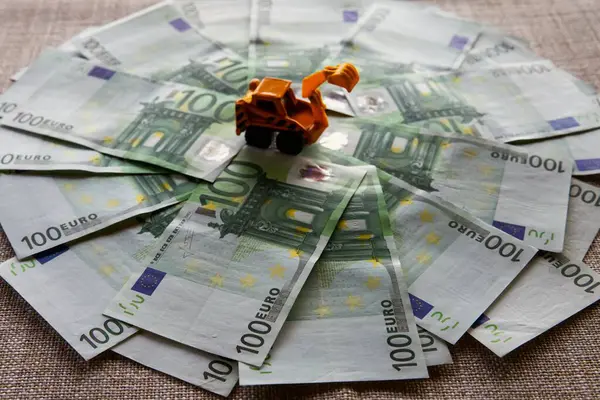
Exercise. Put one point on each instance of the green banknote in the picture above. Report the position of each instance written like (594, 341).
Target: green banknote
(70, 285)
(553, 287)
(186, 129)
(232, 263)
(403, 32)
(506, 103)
(352, 320)
(435, 350)
(583, 219)
(67, 47)
(160, 43)
(522, 193)
(21, 151)
(40, 212)
(493, 49)
(582, 148)
(291, 40)
(223, 21)
(205, 370)
(455, 264)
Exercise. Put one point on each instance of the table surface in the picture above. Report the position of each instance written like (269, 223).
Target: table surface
(36, 363)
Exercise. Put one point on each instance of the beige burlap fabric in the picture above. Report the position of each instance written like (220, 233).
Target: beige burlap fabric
(36, 363)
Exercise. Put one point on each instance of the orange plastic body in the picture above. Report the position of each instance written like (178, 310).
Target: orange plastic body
(272, 104)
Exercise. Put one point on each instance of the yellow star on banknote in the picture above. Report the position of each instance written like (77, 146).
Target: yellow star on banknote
(353, 302)
(167, 186)
(433, 238)
(216, 280)
(68, 186)
(112, 203)
(426, 216)
(192, 265)
(238, 199)
(291, 213)
(108, 139)
(86, 199)
(423, 258)
(295, 253)
(375, 262)
(406, 202)
(445, 145)
(373, 282)
(95, 159)
(343, 224)
(486, 170)
(365, 236)
(248, 281)
(470, 153)
(490, 189)
(277, 271)
(322, 311)
(140, 198)
(397, 149)
(210, 206)
(467, 130)
(107, 270)
(303, 229)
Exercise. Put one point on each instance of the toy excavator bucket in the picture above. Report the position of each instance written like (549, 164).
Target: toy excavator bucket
(343, 75)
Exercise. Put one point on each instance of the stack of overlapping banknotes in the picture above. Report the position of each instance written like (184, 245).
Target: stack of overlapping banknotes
(440, 202)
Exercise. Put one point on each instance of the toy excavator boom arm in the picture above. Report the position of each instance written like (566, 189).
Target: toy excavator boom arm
(342, 75)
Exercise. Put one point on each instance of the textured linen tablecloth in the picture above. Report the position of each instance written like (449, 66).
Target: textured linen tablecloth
(36, 363)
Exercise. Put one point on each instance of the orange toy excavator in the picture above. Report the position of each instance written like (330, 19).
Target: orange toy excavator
(270, 106)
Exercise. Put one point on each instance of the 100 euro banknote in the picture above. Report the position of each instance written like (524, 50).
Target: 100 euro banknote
(524, 194)
(507, 103)
(223, 21)
(78, 280)
(293, 40)
(455, 264)
(583, 148)
(493, 49)
(232, 263)
(160, 43)
(39, 212)
(178, 127)
(290, 40)
(395, 31)
(21, 151)
(552, 288)
(352, 320)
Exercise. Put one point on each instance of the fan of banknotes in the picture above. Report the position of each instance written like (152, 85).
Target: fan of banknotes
(142, 224)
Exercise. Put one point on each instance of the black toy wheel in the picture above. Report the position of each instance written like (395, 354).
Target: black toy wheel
(259, 137)
(290, 142)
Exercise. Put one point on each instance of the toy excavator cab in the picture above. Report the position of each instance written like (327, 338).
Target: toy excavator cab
(270, 108)
(273, 96)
